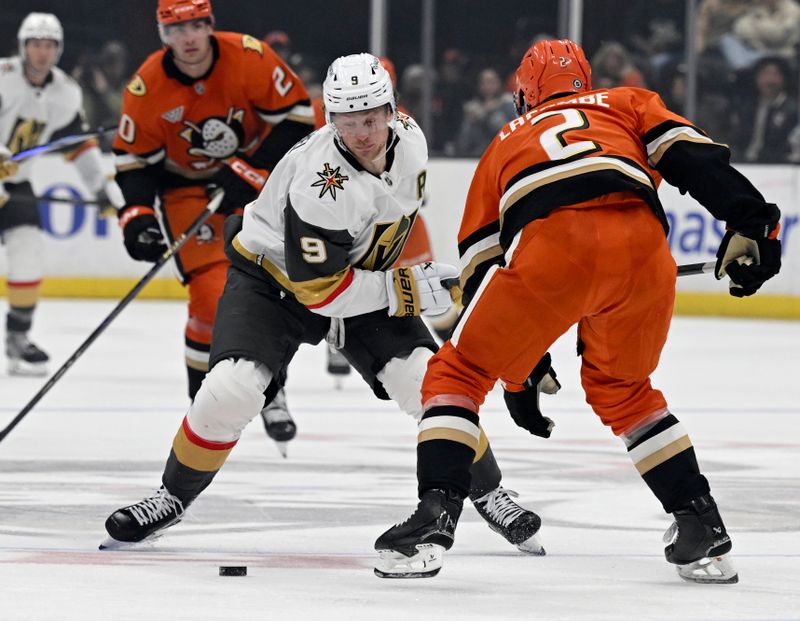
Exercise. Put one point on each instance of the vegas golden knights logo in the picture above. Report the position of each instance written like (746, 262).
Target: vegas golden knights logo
(388, 239)
(25, 134)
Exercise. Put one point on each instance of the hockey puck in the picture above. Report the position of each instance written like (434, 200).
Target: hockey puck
(225, 570)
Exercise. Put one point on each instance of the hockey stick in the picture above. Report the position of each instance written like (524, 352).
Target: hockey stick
(690, 269)
(89, 202)
(176, 245)
(61, 144)
(106, 209)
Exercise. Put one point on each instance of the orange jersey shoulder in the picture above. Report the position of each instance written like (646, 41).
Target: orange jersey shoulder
(575, 150)
(194, 124)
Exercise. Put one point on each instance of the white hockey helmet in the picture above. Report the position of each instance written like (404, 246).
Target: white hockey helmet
(40, 26)
(356, 83)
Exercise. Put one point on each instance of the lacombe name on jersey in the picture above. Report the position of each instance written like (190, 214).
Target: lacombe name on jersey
(30, 115)
(322, 218)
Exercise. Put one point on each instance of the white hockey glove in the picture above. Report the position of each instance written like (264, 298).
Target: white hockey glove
(109, 198)
(422, 289)
(7, 167)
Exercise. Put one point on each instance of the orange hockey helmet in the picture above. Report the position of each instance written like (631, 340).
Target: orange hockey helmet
(550, 68)
(174, 11)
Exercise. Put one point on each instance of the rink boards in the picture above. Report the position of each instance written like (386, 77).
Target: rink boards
(85, 256)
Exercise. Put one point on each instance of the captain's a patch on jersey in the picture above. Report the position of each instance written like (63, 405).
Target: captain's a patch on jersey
(330, 180)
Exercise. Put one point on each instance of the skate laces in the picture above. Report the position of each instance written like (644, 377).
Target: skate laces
(500, 507)
(158, 506)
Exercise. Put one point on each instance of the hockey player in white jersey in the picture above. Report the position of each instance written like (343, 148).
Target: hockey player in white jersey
(312, 257)
(39, 103)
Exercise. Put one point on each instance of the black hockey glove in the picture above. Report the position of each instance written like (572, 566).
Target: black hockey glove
(144, 240)
(750, 258)
(241, 181)
(524, 405)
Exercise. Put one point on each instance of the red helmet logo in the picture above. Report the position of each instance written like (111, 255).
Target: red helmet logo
(550, 68)
(174, 11)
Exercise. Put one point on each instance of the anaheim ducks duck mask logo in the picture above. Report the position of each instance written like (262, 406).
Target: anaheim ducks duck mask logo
(214, 138)
(330, 180)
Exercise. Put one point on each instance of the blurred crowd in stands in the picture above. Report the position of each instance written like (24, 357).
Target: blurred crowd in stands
(747, 87)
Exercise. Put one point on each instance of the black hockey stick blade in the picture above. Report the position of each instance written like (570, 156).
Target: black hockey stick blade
(61, 144)
(689, 269)
(176, 245)
(106, 209)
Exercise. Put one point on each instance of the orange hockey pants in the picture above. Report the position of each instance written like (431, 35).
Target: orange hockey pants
(609, 270)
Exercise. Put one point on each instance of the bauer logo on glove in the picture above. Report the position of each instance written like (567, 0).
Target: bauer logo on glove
(420, 289)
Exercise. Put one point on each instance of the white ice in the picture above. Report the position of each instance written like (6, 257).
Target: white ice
(304, 526)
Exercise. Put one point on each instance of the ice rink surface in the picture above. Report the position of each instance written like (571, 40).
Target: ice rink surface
(305, 526)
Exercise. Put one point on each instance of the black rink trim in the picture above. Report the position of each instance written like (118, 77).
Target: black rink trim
(574, 189)
(451, 410)
(662, 425)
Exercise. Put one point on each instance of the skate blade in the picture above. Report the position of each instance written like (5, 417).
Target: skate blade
(426, 563)
(715, 570)
(20, 368)
(532, 546)
(283, 447)
(111, 544)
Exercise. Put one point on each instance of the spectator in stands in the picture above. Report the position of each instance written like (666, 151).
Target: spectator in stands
(653, 33)
(412, 82)
(280, 42)
(770, 27)
(765, 120)
(612, 66)
(452, 90)
(485, 114)
(715, 19)
(103, 78)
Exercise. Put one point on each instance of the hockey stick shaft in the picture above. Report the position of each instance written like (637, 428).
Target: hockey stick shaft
(690, 269)
(89, 202)
(61, 143)
(176, 245)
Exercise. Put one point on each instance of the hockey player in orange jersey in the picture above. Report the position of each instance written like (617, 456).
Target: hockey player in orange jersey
(209, 109)
(563, 226)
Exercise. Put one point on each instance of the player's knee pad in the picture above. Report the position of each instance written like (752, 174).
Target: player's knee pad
(232, 395)
(402, 380)
(24, 253)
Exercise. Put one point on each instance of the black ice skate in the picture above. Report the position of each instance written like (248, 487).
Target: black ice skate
(143, 520)
(414, 549)
(504, 516)
(24, 358)
(699, 544)
(278, 422)
(337, 365)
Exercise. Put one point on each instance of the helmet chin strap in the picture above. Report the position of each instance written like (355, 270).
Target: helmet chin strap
(383, 153)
